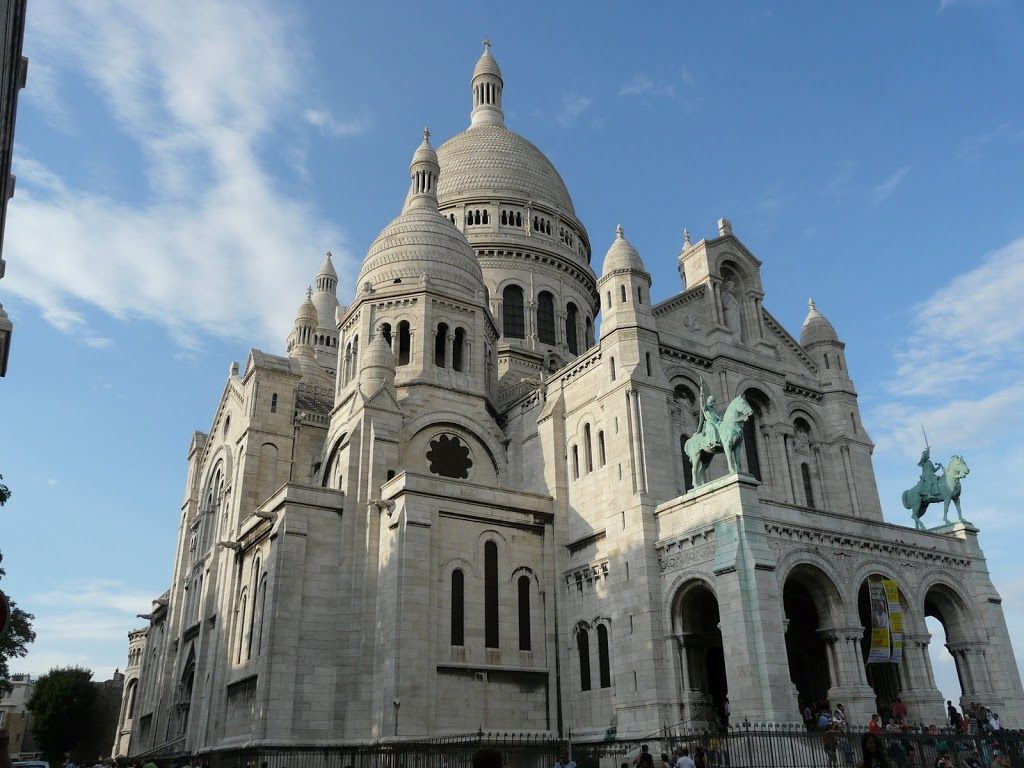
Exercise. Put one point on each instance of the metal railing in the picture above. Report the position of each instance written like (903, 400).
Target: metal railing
(745, 746)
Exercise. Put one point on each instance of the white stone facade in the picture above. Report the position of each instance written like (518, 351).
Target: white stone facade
(453, 506)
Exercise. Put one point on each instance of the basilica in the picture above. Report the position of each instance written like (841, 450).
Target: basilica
(468, 499)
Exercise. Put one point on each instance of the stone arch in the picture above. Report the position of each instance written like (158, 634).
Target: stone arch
(766, 398)
(885, 678)
(830, 597)
(454, 563)
(946, 603)
(703, 678)
(327, 466)
(521, 570)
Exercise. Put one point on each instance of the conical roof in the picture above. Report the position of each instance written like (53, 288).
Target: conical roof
(622, 255)
(816, 327)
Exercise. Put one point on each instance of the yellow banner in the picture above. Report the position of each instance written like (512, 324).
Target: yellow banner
(879, 651)
(892, 597)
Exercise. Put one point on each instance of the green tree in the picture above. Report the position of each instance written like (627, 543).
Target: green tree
(14, 642)
(61, 707)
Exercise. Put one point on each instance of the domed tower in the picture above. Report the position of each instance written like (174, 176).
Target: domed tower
(325, 299)
(625, 287)
(819, 338)
(515, 211)
(301, 343)
(421, 289)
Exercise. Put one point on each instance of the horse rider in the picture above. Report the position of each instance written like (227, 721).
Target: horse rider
(929, 481)
(710, 419)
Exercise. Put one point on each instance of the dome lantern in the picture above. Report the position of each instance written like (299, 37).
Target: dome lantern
(423, 172)
(487, 87)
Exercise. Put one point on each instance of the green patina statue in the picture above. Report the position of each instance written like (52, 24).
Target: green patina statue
(933, 487)
(717, 433)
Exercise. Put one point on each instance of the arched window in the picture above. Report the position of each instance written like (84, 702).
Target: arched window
(750, 428)
(524, 613)
(491, 595)
(583, 645)
(805, 473)
(403, 342)
(826, 361)
(355, 355)
(129, 708)
(546, 317)
(608, 299)
(622, 294)
(603, 660)
(587, 450)
(385, 331)
(600, 447)
(243, 602)
(512, 312)
(639, 294)
(590, 333)
(504, 218)
(458, 348)
(519, 220)
(255, 604)
(484, 217)
(570, 328)
(458, 607)
(262, 613)
(575, 463)
(611, 367)
(687, 464)
(440, 344)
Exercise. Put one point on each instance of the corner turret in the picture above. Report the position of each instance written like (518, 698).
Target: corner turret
(819, 338)
(625, 287)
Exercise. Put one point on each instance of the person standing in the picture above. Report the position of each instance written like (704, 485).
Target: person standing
(685, 761)
(644, 759)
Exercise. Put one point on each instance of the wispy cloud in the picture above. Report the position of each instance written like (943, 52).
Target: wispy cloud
(837, 186)
(884, 190)
(328, 123)
(970, 330)
(218, 247)
(642, 85)
(974, 147)
(573, 105)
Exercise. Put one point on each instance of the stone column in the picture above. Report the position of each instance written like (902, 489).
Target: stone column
(785, 487)
(923, 699)
(846, 670)
(449, 345)
(822, 491)
(531, 321)
(788, 467)
(850, 481)
(767, 464)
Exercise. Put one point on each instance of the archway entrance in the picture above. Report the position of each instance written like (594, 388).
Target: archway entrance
(704, 686)
(883, 677)
(810, 601)
(945, 611)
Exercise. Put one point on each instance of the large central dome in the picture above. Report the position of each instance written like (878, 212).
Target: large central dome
(489, 159)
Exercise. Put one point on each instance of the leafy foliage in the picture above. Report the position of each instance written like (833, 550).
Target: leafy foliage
(62, 710)
(14, 642)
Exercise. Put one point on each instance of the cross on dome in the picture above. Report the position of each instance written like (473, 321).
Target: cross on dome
(487, 44)
(619, 233)
(309, 291)
(426, 133)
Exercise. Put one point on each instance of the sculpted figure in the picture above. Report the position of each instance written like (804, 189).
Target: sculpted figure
(933, 488)
(730, 307)
(717, 433)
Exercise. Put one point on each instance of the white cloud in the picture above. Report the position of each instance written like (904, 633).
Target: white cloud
(324, 120)
(884, 190)
(573, 105)
(970, 330)
(837, 186)
(642, 85)
(217, 248)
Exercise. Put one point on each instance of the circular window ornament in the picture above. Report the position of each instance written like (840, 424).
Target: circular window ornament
(448, 456)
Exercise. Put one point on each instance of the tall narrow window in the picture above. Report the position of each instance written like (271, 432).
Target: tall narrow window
(403, 342)
(587, 450)
(512, 312)
(575, 463)
(491, 595)
(458, 608)
(647, 356)
(687, 464)
(805, 472)
(524, 613)
(583, 644)
(611, 368)
(600, 447)
(263, 612)
(639, 300)
(570, 329)
(355, 356)
(750, 447)
(458, 348)
(440, 343)
(546, 318)
(590, 333)
(622, 294)
(251, 634)
(273, 403)
(243, 601)
(603, 661)
(385, 331)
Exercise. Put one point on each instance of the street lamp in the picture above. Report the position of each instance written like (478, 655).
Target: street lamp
(6, 328)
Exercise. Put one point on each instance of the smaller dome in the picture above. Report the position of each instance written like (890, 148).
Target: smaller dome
(622, 255)
(424, 152)
(307, 310)
(486, 64)
(816, 327)
(378, 364)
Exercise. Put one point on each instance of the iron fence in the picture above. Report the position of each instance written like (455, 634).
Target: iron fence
(747, 746)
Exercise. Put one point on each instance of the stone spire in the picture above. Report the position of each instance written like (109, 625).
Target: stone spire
(487, 87)
(816, 327)
(423, 172)
(306, 321)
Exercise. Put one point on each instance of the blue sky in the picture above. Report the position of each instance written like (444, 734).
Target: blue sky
(181, 172)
